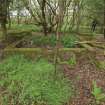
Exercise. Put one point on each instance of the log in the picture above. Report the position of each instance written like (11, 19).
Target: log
(88, 47)
(18, 33)
(42, 49)
(88, 42)
(98, 46)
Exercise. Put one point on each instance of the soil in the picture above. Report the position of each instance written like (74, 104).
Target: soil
(83, 75)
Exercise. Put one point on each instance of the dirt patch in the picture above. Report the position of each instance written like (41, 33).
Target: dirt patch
(83, 76)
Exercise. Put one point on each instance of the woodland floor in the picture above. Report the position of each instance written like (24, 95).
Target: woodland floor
(83, 75)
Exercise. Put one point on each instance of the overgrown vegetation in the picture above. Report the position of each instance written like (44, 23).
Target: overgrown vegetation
(70, 34)
(98, 93)
(67, 41)
(27, 82)
(72, 61)
(42, 40)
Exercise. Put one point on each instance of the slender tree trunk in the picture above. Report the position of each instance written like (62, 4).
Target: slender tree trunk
(9, 19)
(4, 12)
(74, 11)
(18, 16)
(104, 19)
(78, 17)
(4, 30)
(44, 17)
(59, 20)
(56, 49)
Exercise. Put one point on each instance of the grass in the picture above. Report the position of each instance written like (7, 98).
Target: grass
(27, 82)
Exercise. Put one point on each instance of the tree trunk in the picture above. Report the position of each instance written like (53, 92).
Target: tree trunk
(44, 17)
(18, 17)
(104, 19)
(78, 17)
(4, 30)
(3, 14)
(9, 19)
(59, 20)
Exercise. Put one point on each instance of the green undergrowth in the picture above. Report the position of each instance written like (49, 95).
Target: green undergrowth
(98, 93)
(68, 41)
(44, 40)
(27, 82)
(71, 61)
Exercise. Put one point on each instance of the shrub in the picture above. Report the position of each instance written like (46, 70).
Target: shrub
(27, 82)
(68, 41)
(37, 40)
(44, 40)
(52, 40)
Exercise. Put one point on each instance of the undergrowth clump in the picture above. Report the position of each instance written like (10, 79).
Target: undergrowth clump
(44, 40)
(27, 82)
(68, 41)
(72, 61)
(98, 93)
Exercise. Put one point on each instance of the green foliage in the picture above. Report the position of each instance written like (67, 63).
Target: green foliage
(44, 40)
(98, 93)
(29, 82)
(52, 40)
(72, 61)
(68, 41)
